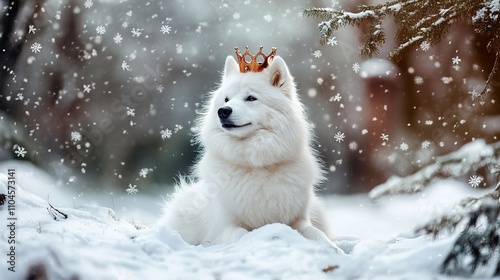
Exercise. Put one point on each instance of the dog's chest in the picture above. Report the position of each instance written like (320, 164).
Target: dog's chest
(260, 198)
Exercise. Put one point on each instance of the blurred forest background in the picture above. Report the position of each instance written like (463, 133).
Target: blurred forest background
(103, 93)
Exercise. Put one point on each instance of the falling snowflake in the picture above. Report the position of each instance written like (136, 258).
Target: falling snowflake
(332, 41)
(129, 13)
(132, 189)
(339, 136)
(165, 133)
(268, 18)
(236, 15)
(426, 144)
(19, 151)
(125, 66)
(88, 4)
(474, 94)
(403, 146)
(160, 88)
(36, 47)
(425, 46)
(144, 172)
(177, 127)
(100, 30)
(456, 60)
(136, 32)
(165, 29)
(86, 88)
(317, 53)
(356, 67)
(419, 80)
(384, 137)
(447, 80)
(32, 29)
(118, 38)
(337, 97)
(130, 112)
(475, 180)
(353, 146)
(178, 48)
(76, 136)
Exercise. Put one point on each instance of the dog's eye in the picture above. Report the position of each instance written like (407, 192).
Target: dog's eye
(226, 100)
(251, 98)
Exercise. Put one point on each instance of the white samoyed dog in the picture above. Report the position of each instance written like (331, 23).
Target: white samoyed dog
(257, 166)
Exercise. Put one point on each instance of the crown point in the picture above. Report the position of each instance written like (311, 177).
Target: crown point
(252, 65)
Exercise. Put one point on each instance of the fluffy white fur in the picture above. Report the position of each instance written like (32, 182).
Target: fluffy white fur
(261, 172)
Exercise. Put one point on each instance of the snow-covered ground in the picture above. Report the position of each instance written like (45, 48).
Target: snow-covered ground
(104, 238)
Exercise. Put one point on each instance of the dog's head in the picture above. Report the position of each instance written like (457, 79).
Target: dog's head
(255, 116)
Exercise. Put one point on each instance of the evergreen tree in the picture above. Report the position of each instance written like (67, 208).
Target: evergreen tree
(418, 21)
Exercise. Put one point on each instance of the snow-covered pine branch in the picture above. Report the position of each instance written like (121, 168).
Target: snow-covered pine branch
(471, 156)
(478, 243)
(417, 21)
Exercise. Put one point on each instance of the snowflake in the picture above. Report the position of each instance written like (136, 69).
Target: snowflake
(419, 80)
(32, 29)
(165, 29)
(353, 146)
(125, 66)
(88, 4)
(426, 144)
(36, 47)
(317, 53)
(425, 46)
(337, 97)
(100, 30)
(166, 133)
(129, 13)
(236, 15)
(339, 136)
(332, 41)
(268, 18)
(447, 80)
(160, 88)
(384, 137)
(456, 60)
(130, 112)
(475, 180)
(86, 88)
(136, 32)
(144, 172)
(118, 38)
(356, 67)
(403, 146)
(177, 128)
(178, 48)
(19, 151)
(76, 136)
(474, 94)
(132, 189)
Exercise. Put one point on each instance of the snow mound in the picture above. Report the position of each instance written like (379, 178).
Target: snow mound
(94, 242)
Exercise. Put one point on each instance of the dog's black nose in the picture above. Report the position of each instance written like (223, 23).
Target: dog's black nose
(224, 112)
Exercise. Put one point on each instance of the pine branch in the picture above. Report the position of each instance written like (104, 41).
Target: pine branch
(417, 21)
(471, 156)
(478, 242)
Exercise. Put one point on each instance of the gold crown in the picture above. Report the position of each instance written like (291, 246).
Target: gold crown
(253, 65)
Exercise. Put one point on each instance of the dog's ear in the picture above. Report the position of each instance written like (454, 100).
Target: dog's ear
(279, 76)
(231, 66)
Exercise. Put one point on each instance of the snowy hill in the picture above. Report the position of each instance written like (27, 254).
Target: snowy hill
(97, 242)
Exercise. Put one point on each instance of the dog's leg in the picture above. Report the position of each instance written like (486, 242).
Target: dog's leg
(310, 232)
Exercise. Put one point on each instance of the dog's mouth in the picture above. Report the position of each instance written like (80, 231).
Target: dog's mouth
(230, 125)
